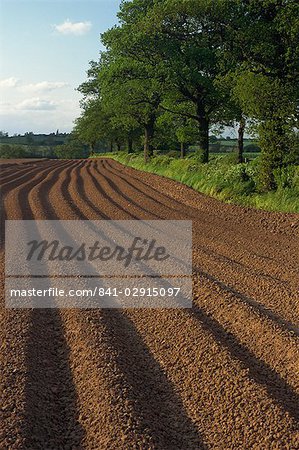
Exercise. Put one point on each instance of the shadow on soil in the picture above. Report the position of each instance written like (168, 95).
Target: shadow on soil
(258, 370)
(51, 414)
(258, 307)
(157, 407)
(50, 417)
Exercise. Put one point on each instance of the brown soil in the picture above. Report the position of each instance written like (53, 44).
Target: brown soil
(222, 375)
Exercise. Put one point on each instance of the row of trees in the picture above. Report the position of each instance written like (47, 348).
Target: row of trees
(189, 65)
(71, 148)
(11, 151)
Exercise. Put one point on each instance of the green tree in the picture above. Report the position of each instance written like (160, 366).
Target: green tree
(72, 149)
(189, 38)
(272, 103)
(266, 50)
(93, 125)
(130, 83)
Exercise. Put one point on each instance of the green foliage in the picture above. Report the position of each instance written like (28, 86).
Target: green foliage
(35, 140)
(8, 151)
(174, 68)
(265, 82)
(94, 124)
(172, 154)
(252, 148)
(224, 179)
(73, 149)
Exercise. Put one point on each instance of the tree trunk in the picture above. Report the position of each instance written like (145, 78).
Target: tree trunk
(275, 145)
(111, 146)
(183, 149)
(204, 138)
(92, 146)
(130, 145)
(241, 140)
(148, 138)
(118, 147)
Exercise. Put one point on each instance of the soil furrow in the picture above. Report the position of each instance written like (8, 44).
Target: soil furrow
(24, 176)
(120, 185)
(247, 306)
(50, 416)
(107, 372)
(230, 306)
(265, 371)
(157, 199)
(221, 375)
(238, 244)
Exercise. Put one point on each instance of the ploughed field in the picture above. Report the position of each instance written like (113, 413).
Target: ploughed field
(222, 375)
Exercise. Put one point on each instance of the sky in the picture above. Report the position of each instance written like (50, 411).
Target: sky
(44, 54)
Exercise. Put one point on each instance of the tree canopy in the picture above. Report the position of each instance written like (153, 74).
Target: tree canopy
(194, 64)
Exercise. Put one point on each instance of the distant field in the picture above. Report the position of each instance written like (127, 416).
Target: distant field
(22, 150)
(249, 155)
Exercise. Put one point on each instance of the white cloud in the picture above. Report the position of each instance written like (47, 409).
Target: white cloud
(76, 28)
(44, 86)
(9, 82)
(36, 104)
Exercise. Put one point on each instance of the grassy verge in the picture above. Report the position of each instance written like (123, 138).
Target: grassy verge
(224, 179)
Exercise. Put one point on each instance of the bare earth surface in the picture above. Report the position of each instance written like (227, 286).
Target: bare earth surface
(222, 375)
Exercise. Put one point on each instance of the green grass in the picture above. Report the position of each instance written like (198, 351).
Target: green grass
(222, 178)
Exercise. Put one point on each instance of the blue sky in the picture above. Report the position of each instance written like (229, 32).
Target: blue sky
(45, 50)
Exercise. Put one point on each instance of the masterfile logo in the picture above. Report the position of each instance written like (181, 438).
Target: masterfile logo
(139, 250)
(96, 264)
